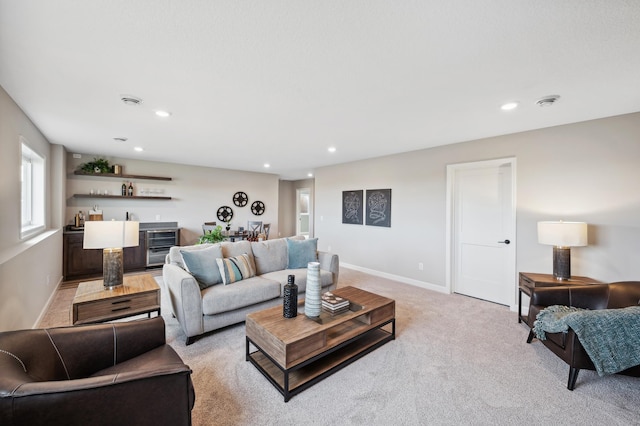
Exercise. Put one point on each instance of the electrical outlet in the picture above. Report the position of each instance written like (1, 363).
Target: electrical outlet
(157, 217)
(420, 266)
(328, 248)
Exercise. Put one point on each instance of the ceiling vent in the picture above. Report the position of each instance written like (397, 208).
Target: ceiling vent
(131, 100)
(547, 101)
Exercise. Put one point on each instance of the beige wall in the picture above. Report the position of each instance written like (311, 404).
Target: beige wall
(29, 269)
(586, 171)
(197, 193)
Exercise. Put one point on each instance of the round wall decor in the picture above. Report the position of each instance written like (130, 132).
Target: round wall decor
(257, 208)
(225, 213)
(240, 199)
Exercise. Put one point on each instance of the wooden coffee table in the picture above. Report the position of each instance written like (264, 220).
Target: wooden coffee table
(93, 302)
(295, 353)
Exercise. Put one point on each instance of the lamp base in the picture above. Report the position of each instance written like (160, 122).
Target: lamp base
(112, 267)
(562, 263)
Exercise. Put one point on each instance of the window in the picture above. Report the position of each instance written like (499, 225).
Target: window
(33, 195)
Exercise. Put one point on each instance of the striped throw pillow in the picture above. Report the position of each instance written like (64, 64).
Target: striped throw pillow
(236, 268)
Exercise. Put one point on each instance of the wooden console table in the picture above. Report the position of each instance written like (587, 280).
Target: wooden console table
(93, 302)
(528, 281)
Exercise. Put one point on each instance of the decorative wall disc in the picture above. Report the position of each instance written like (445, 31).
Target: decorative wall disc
(240, 199)
(225, 213)
(257, 208)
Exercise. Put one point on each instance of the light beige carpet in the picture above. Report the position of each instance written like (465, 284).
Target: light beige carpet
(456, 360)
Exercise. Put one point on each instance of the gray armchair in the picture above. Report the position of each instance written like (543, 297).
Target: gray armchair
(104, 374)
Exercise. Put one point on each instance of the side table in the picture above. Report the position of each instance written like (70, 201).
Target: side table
(139, 294)
(528, 281)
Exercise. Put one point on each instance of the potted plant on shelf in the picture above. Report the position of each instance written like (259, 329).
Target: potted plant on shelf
(214, 236)
(98, 165)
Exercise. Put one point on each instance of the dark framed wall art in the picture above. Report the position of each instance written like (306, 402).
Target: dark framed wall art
(352, 206)
(378, 207)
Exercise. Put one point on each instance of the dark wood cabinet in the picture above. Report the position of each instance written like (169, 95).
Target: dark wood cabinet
(136, 257)
(79, 263)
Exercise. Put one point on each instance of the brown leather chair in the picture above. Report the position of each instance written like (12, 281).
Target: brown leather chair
(599, 296)
(104, 374)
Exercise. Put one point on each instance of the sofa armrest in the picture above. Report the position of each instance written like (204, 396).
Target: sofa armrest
(330, 262)
(185, 298)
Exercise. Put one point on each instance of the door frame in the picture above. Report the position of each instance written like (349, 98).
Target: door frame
(451, 237)
(300, 191)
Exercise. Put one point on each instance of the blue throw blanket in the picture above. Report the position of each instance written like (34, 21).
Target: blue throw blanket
(611, 337)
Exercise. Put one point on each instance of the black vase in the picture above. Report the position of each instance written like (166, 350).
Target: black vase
(290, 299)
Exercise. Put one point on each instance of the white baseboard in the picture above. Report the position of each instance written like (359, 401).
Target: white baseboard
(411, 281)
(48, 304)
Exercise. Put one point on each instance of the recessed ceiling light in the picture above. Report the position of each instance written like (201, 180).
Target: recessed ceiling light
(120, 139)
(131, 100)
(332, 149)
(509, 106)
(163, 114)
(310, 174)
(547, 100)
(267, 165)
(138, 148)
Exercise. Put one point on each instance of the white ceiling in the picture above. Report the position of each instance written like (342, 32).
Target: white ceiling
(254, 82)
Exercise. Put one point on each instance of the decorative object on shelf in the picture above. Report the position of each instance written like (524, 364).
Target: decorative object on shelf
(213, 236)
(98, 165)
(225, 214)
(117, 169)
(290, 298)
(111, 236)
(257, 208)
(124, 189)
(562, 236)
(312, 296)
(130, 190)
(240, 199)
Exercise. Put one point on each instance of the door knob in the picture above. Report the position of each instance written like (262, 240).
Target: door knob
(505, 242)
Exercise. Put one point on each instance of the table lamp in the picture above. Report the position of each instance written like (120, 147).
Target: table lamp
(562, 236)
(111, 236)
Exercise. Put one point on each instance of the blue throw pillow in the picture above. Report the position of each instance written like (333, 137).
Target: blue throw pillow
(203, 266)
(301, 252)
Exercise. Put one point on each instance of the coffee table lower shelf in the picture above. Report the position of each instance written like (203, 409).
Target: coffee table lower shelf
(300, 377)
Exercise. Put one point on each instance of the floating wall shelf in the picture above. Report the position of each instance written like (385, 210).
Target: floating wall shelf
(122, 176)
(121, 197)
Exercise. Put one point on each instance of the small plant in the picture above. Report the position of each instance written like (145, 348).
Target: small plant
(98, 165)
(214, 236)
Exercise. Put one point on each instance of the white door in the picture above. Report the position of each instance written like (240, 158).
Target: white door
(303, 201)
(482, 230)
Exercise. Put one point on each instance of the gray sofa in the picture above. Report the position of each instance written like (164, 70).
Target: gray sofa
(200, 299)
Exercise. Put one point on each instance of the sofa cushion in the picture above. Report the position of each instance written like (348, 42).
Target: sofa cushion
(237, 248)
(225, 298)
(269, 255)
(236, 268)
(202, 265)
(326, 278)
(301, 252)
(175, 257)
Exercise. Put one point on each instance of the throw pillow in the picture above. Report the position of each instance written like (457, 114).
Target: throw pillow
(236, 268)
(202, 265)
(301, 252)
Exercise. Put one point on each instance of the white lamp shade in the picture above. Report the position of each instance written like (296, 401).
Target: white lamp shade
(100, 234)
(562, 234)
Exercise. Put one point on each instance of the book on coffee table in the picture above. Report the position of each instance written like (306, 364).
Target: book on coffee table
(334, 304)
